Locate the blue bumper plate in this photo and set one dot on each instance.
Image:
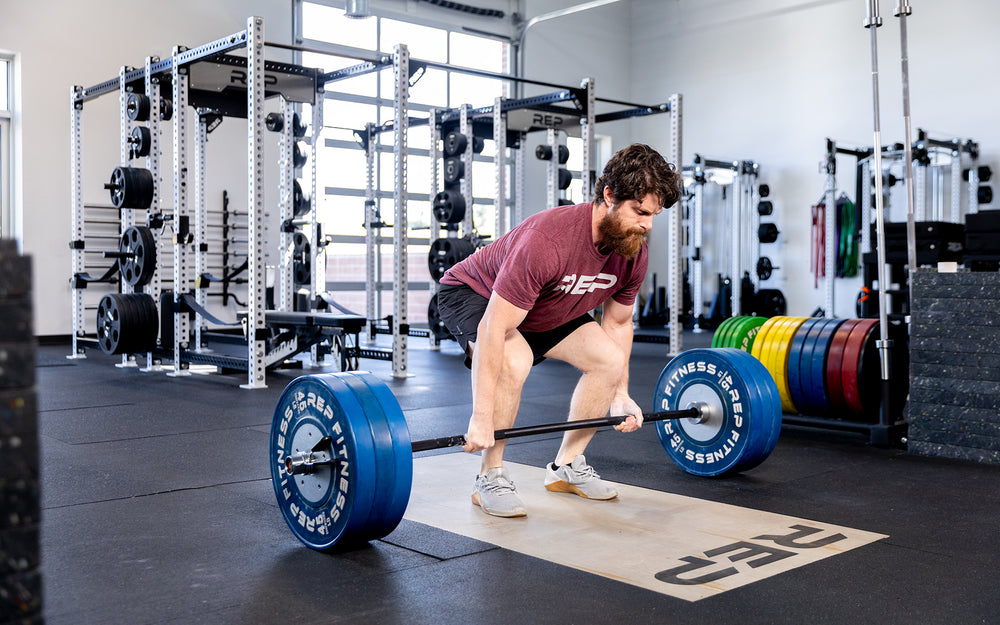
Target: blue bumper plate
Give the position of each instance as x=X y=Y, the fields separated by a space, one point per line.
x=740 y=417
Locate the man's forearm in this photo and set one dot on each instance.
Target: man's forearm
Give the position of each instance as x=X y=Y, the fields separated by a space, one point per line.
x=621 y=334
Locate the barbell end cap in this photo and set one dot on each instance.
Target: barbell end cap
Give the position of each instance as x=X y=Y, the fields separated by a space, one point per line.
x=705 y=411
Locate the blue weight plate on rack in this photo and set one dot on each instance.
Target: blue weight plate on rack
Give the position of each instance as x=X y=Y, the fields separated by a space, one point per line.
x=815 y=391
x=332 y=503
x=399 y=460
x=728 y=434
x=795 y=361
x=385 y=456
x=805 y=382
x=800 y=385
x=767 y=411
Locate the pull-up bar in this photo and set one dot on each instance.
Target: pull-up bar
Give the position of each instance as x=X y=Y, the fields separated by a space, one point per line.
x=380 y=61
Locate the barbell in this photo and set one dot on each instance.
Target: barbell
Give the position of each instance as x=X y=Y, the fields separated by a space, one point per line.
x=341 y=457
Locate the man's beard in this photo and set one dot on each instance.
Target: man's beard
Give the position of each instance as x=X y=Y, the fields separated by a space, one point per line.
x=615 y=238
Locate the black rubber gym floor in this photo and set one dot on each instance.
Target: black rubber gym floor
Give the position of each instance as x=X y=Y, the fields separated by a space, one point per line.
x=158 y=508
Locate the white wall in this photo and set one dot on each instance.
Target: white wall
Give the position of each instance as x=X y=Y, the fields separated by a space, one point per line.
x=566 y=50
x=766 y=80
x=63 y=43
x=770 y=80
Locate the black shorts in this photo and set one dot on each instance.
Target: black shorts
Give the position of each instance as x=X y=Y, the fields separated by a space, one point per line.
x=461 y=310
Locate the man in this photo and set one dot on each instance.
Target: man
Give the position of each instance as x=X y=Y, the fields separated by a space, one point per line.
x=528 y=296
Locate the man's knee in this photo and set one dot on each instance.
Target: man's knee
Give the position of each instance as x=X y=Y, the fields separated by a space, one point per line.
x=517 y=362
x=610 y=360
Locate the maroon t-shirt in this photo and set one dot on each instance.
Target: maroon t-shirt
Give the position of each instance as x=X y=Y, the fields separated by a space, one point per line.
x=549 y=266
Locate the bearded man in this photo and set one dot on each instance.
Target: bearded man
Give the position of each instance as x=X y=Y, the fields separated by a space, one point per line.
x=529 y=295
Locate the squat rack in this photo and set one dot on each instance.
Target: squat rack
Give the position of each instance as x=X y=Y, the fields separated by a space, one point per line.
x=496 y=117
x=178 y=66
x=214 y=83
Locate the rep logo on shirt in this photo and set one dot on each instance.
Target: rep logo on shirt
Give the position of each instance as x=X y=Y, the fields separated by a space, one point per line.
x=582 y=285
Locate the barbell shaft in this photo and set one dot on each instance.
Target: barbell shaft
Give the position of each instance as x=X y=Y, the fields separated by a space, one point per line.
x=550 y=428
x=305 y=462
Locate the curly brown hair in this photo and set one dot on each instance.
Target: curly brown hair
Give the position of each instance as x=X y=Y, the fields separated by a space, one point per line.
x=636 y=171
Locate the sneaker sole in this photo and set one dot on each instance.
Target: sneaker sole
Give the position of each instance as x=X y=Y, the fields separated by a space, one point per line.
x=566 y=487
x=476 y=499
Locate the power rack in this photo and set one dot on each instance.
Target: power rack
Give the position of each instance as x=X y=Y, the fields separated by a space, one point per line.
x=218 y=84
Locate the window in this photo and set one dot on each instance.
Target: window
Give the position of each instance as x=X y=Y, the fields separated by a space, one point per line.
x=6 y=165
x=352 y=103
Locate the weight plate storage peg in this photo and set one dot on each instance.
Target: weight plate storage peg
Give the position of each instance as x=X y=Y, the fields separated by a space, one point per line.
x=138 y=243
x=140 y=140
x=563 y=154
x=767 y=233
x=299 y=156
x=127 y=323
x=438 y=328
x=446 y=253
x=455 y=143
x=737 y=419
x=449 y=207
x=166 y=110
x=300 y=203
x=275 y=122
x=565 y=179
x=137 y=107
x=765 y=268
x=454 y=170
x=130 y=187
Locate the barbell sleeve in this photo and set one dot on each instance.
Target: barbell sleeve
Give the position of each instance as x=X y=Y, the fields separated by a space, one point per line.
x=550 y=428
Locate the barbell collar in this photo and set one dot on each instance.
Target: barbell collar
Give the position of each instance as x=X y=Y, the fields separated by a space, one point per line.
x=306 y=462
x=693 y=411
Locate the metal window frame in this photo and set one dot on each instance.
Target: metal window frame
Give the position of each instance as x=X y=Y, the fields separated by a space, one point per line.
x=6 y=218
x=7 y=169
x=375 y=150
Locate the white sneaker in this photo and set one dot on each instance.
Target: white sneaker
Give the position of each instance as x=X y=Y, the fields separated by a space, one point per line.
x=495 y=493
x=578 y=478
